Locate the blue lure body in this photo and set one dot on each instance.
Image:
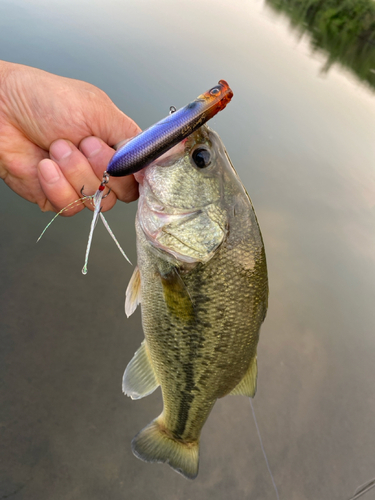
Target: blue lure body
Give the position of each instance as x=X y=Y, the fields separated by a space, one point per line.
x=148 y=145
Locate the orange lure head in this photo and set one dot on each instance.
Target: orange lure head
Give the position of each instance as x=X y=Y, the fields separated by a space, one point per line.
x=216 y=98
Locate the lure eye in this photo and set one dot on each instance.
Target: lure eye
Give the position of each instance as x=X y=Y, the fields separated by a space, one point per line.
x=215 y=91
x=201 y=157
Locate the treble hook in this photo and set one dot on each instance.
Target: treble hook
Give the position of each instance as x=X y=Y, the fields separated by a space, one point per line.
x=91 y=195
x=105 y=181
x=85 y=195
x=105 y=196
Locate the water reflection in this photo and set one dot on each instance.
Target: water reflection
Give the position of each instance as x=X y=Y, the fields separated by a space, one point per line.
x=346 y=30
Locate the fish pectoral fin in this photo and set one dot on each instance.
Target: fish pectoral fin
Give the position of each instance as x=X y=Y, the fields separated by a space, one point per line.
x=248 y=385
x=176 y=296
x=155 y=444
x=133 y=293
x=139 y=379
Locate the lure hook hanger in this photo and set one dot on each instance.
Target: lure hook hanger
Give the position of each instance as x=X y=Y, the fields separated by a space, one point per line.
x=105 y=181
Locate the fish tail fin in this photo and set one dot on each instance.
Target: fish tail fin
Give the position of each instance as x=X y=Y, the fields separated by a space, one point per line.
x=155 y=444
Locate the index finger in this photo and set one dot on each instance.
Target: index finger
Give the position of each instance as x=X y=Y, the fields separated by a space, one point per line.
x=98 y=154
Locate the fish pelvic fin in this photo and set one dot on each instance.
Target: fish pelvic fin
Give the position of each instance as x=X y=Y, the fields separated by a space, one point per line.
x=248 y=385
x=133 y=293
x=177 y=297
x=155 y=444
x=139 y=379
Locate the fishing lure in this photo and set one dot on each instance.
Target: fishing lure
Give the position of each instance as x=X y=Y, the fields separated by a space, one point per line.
x=148 y=145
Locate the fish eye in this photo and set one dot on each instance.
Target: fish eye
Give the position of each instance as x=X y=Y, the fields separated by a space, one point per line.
x=201 y=157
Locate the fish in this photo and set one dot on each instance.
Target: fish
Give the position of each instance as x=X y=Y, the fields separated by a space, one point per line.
x=201 y=281
x=148 y=145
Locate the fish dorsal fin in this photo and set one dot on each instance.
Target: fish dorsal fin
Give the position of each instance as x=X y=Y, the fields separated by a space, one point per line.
x=139 y=379
x=133 y=293
x=248 y=385
x=176 y=296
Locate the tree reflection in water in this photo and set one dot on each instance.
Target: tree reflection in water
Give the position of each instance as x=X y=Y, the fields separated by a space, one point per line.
x=343 y=28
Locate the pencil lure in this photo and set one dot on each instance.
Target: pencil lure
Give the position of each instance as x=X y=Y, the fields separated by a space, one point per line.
x=148 y=145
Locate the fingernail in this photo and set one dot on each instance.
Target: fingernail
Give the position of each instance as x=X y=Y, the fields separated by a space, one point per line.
x=49 y=171
x=60 y=150
x=121 y=143
x=90 y=146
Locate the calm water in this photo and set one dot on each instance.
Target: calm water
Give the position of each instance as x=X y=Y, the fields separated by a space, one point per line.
x=303 y=144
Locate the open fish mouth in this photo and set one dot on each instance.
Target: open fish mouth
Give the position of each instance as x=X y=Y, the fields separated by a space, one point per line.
x=190 y=236
x=161 y=229
x=184 y=237
x=159 y=208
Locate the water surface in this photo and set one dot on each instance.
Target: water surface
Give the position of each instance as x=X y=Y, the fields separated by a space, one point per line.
x=302 y=141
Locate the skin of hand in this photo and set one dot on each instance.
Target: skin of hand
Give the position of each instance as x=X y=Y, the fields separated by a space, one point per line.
x=55 y=138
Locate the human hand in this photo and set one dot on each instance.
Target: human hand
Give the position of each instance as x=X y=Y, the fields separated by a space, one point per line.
x=55 y=134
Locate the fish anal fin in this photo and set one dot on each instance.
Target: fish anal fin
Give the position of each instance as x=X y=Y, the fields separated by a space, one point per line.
x=177 y=297
x=155 y=444
x=248 y=385
x=133 y=293
x=139 y=379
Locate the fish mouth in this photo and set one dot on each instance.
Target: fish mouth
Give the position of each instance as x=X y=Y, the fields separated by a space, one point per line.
x=187 y=236
x=158 y=208
x=159 y=223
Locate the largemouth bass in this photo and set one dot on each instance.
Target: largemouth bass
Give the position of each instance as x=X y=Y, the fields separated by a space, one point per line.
x=202 y=283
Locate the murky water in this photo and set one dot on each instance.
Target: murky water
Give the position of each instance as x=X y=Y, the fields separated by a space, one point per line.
x=303 y=144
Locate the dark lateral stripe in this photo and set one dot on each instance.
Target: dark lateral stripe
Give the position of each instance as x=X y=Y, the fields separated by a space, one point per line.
x=187 y=398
